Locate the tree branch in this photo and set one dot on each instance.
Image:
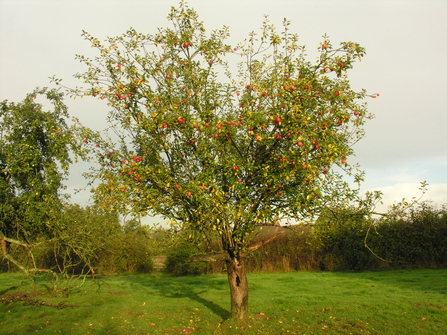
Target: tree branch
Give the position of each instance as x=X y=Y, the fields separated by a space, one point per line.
x=209 y=258
x=216 y=257
x=256 y=246
x=10 y=240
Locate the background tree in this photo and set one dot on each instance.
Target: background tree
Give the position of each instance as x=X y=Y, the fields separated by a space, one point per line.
x=223 y=153
x=35 y=147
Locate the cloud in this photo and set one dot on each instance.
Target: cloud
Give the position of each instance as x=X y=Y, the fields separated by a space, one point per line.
x=436 y=193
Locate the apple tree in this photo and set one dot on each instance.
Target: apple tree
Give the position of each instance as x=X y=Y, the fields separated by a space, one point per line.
x=223 y=138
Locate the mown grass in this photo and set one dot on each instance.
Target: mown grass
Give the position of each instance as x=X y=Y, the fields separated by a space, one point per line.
x=393 y=302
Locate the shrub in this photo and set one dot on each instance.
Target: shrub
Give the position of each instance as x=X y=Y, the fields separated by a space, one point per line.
x=177 y=261
x=418 y=240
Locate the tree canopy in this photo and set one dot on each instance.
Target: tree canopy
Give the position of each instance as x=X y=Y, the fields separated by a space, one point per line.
x=36 y=147
x=35 y=150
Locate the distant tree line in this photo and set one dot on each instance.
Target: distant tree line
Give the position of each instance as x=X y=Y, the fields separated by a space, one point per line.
x=346 y=242
x=336 y=242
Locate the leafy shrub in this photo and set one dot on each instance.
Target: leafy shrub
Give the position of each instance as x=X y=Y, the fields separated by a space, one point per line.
x=418 y=240
x=177 y=261
x=127 y=251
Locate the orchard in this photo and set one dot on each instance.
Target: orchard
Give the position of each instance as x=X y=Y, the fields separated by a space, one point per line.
x=222 y=139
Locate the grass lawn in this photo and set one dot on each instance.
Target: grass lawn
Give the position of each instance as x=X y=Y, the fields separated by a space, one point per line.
x=394 y=302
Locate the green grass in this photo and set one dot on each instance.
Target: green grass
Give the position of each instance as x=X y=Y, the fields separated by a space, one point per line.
x=394 y=302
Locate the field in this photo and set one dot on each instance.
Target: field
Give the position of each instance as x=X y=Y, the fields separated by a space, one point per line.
x=392 y=302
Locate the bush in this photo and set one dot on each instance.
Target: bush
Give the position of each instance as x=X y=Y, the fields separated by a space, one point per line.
x=128 y=250
x=177 y=261
x=89 y=238
x=418 y=240
x=125 y=253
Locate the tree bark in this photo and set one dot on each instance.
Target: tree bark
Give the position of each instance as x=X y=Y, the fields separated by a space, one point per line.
x=3 y=243
x=237 y=279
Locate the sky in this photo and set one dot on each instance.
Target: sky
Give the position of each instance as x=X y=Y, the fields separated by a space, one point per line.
x=405 y=41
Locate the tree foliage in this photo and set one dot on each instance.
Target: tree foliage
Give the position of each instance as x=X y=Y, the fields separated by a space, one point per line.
x=223 y=138
x=34 y=159
x=35 y=155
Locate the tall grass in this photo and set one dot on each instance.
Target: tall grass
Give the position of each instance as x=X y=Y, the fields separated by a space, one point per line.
x=393 y=302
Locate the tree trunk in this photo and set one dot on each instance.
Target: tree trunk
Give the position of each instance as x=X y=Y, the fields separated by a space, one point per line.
x=3 y=243
x=238 y=287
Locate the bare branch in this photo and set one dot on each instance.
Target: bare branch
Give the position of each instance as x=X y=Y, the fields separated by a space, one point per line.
x=256 y=246
x=209 y=258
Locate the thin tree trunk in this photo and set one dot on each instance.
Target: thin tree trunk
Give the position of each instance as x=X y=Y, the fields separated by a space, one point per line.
x=237 y=279
x=3 y=243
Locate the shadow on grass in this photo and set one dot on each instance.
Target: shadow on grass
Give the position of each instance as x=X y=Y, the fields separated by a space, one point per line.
x=186 y=287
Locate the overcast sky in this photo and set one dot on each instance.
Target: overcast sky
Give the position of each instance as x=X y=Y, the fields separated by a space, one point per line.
x=405 y=41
